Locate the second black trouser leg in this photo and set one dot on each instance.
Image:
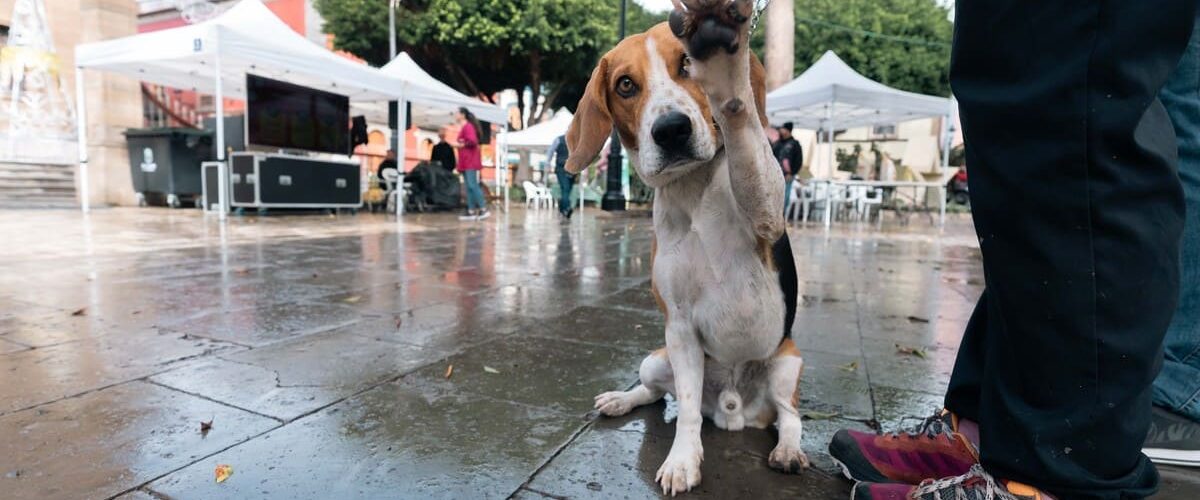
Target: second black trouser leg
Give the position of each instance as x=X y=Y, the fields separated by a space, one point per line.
x=1078 y=210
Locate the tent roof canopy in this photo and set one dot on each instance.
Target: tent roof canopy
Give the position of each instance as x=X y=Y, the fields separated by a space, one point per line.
x=433 y=102
x=249 y=38
x=421 y=88
x=856 y=100
x=542 y=134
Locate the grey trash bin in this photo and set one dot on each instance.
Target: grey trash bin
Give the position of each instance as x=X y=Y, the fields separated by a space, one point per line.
x=164 y=163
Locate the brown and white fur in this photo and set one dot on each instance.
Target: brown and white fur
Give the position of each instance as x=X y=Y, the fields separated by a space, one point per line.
x=721 y=245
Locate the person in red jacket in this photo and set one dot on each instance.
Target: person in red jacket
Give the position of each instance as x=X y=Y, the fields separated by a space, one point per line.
x=470 y=164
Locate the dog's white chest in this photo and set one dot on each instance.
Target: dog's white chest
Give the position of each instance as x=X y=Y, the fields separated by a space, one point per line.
x=709 y=274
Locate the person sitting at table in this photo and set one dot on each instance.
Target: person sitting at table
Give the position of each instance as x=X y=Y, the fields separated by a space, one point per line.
x=443 y=152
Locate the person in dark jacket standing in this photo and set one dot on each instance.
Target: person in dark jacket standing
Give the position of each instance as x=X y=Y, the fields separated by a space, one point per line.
x=557 y=156
x=443 y=152
x=791 y=159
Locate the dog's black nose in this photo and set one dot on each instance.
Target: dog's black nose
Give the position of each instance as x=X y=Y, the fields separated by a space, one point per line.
x=672 y=132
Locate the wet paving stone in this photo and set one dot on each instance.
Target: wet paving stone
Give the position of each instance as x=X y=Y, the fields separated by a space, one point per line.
x=395 y=441
x=112 y=440
x=43 y=375
x=613 y=463
x=324 y=344
x=291 y=379
x=44 y=327
x=548 y=373
x=256 y=326
x=605 y=326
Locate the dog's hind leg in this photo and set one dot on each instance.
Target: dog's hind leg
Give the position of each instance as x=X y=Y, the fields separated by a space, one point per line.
x=657 y=380
x=783 y=380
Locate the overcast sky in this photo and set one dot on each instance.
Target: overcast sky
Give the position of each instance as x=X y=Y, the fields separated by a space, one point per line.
x=655 y=5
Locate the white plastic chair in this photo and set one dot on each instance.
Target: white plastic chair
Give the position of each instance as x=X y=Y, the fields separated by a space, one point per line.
x=853 y=198
x=547 y=196
x=532 y=194
x=871 y=198
x=390 y=175
x=814 y=196
x=796 y=201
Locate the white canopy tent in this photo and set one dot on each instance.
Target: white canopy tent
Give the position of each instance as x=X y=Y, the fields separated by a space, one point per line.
x=540 y=136
x=433 y=102
x=830 y=95
x=214 y=56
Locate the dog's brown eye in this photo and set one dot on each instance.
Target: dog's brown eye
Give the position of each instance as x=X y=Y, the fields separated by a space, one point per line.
x=685 y=66
x=626 y=87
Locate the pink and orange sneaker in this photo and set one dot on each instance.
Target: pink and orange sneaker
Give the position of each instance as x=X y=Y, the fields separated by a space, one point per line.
x=976 y=484
x=934 y=449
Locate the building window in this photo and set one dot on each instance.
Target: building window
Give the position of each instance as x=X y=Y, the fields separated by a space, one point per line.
x=883 y=132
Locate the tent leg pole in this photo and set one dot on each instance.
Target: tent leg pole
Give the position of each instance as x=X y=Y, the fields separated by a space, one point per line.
x=223 y=170
x=401 y=140
x=81 y=133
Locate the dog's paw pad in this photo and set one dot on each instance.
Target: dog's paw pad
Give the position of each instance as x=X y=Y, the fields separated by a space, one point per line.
x=707 y=26
x=788 y=459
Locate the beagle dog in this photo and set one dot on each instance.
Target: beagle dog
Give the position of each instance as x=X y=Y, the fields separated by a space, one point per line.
x=687 y=99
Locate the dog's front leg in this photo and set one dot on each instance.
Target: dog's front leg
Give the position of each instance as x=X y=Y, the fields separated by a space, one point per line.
x=681 y=471
x=783 y=375
x=716 y=34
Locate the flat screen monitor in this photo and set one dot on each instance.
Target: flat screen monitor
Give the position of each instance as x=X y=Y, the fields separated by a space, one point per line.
x=289 y=116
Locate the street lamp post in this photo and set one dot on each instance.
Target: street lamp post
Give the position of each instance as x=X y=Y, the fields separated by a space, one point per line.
x=614 y=195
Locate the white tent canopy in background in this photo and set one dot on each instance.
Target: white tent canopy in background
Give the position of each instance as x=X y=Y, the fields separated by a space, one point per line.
x=433 y=102
x=540 y=136
x=247 y=38
x=831 y=90
x=422 y=89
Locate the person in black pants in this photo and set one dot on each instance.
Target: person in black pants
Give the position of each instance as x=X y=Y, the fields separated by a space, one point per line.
x=1078 y=209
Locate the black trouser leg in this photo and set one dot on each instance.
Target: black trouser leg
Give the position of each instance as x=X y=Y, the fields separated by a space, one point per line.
x=1079 y=210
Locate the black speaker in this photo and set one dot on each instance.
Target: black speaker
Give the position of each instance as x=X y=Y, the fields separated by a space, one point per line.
x=394 y=115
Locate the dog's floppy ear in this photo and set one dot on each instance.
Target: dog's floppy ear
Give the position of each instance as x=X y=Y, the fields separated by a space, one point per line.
x=758 y=81
x=592 y=123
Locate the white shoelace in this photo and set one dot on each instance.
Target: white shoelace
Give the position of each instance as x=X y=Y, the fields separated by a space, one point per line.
x=955 y=487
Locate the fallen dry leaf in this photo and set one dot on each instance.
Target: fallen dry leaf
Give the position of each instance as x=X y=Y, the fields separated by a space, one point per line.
x=449 y=371
x=850 y=367
x=352 y=299
x=489 y=369
x=223 y=472
x=82 y=311
x=911 y=351
x=241 y=270
x=205 y=427
x=816 y=415
x=399 y=322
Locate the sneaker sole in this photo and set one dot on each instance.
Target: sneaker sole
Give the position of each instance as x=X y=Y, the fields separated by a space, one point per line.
x=1186 y=458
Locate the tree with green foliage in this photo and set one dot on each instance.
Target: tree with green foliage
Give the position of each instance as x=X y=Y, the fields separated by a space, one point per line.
x=481 y=47
x=901 y=43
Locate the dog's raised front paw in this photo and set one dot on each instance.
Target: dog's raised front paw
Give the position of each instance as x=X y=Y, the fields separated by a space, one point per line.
x=681 y=471
x=614 y=404
x=788 y=459
x=707 y=26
